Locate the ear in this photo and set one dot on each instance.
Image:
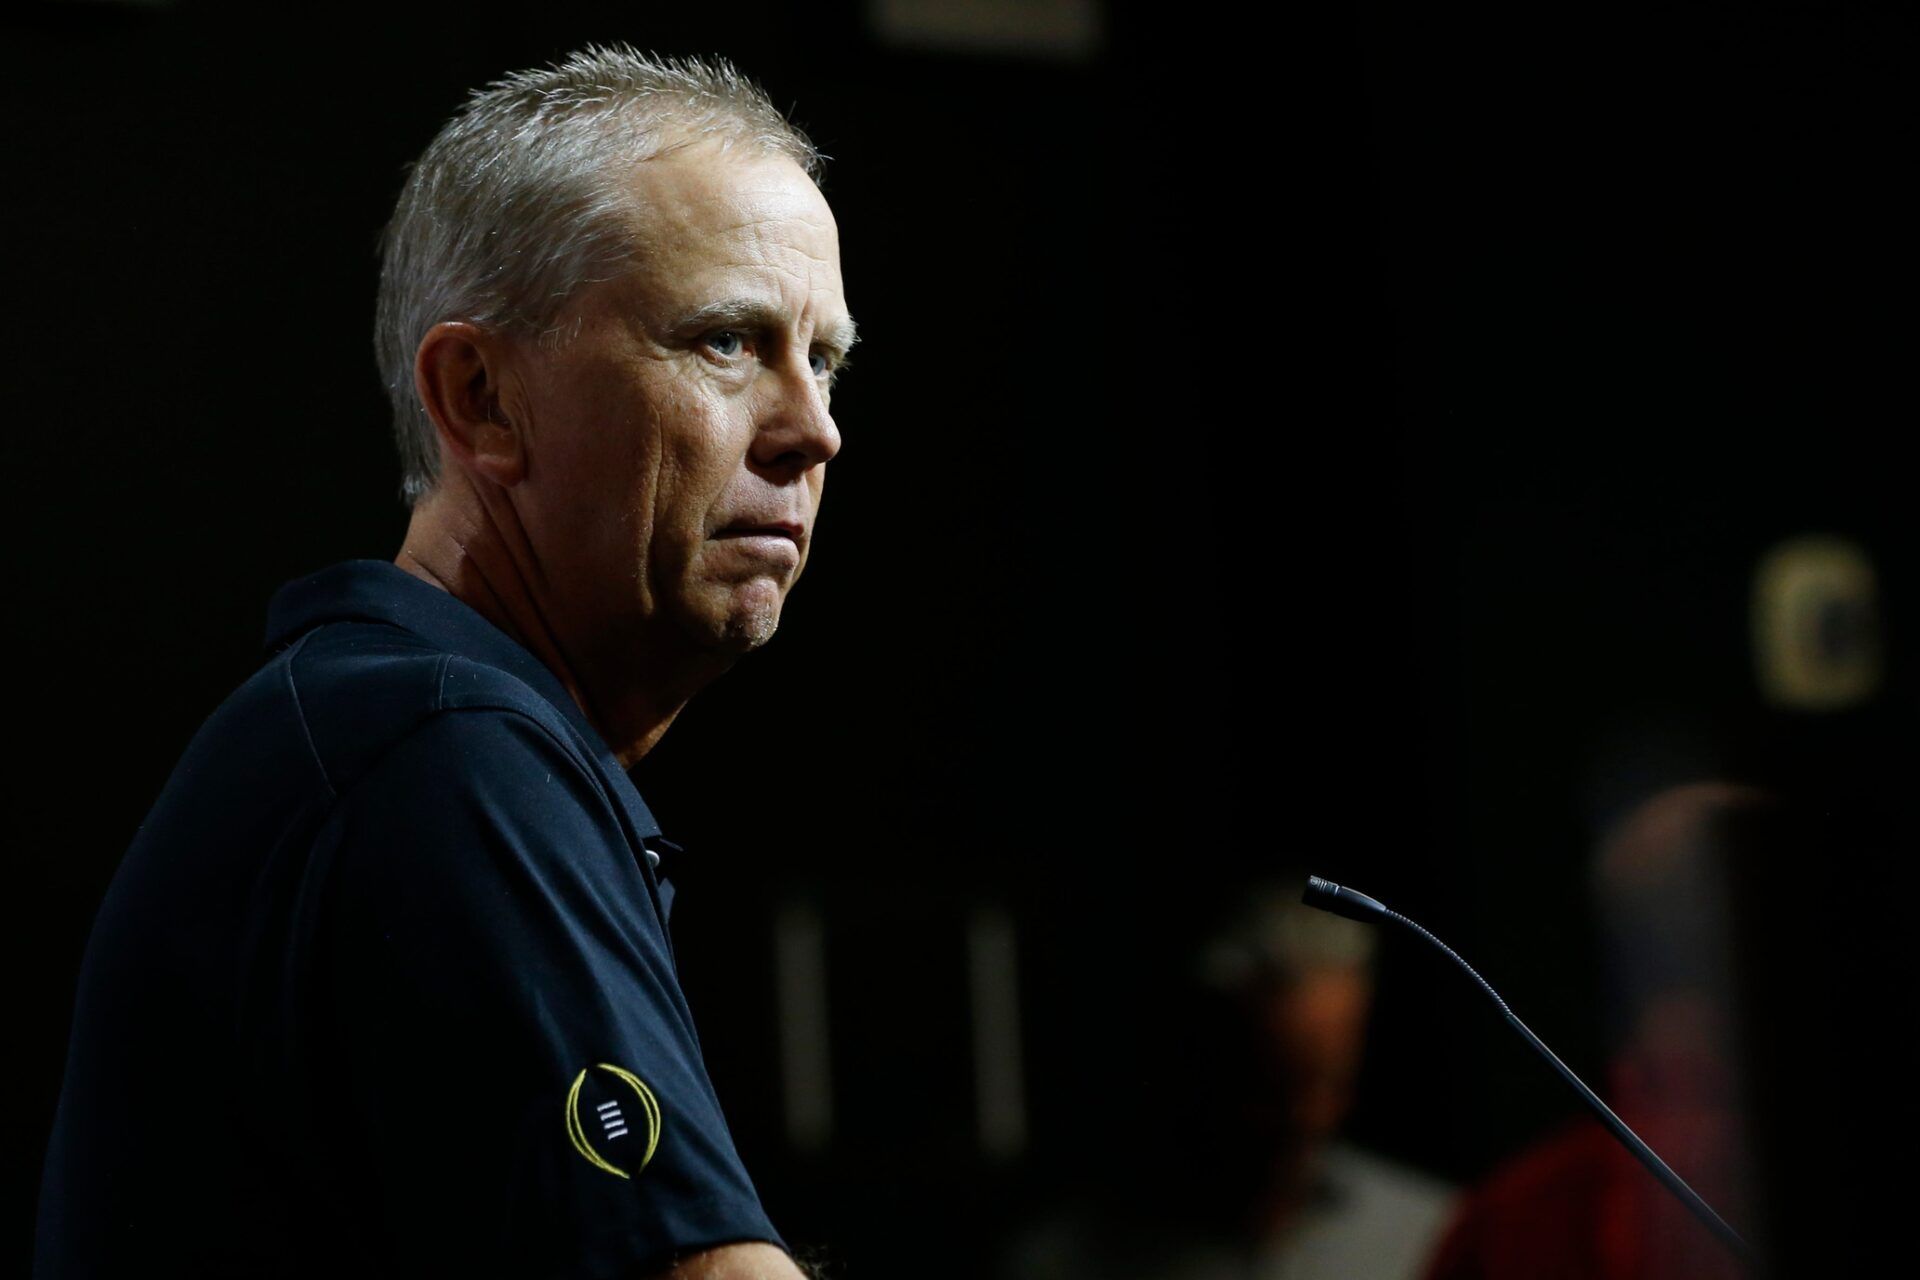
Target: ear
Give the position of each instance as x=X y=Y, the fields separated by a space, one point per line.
x=457 y=374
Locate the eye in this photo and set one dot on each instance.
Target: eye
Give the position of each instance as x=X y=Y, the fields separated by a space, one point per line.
x=725 y=342
x=821 y=365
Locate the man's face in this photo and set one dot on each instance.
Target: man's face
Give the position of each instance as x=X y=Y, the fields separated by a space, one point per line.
x=677 y=443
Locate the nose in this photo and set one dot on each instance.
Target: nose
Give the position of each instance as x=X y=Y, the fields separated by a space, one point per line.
x=795 y=432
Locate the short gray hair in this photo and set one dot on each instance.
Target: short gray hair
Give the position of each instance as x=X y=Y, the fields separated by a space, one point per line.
x=520 y=200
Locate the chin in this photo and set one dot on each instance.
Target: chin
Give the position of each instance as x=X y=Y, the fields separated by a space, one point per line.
x=744 y=635
x=738 y=619
x=750 y=620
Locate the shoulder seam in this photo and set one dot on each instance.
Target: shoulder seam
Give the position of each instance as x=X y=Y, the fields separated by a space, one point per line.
x=592 y=776
x=300 y=714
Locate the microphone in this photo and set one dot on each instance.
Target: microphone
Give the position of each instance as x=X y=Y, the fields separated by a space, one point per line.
x=1342 y=901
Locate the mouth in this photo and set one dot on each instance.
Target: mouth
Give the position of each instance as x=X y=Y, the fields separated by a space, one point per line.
x=763 y=546
x=790 y=530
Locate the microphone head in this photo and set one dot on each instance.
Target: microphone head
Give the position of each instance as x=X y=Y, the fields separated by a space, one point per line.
x=1328 y=896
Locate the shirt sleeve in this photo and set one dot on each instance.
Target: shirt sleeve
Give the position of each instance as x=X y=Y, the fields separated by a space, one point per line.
x=512 y=1066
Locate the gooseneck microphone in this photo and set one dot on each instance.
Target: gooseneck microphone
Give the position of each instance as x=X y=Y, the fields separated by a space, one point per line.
x=1328 y=896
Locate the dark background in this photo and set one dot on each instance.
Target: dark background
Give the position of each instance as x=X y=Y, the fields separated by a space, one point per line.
x=1341 y=446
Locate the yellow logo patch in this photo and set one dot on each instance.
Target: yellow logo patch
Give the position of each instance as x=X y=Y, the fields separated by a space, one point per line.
x=609 y=1120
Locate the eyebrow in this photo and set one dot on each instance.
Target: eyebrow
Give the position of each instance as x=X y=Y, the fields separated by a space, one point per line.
x=839 y=336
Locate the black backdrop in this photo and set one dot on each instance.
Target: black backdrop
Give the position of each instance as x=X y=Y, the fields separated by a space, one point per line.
x=1270 y=446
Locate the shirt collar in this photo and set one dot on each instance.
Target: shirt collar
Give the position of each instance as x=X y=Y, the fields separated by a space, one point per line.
x=380 y=591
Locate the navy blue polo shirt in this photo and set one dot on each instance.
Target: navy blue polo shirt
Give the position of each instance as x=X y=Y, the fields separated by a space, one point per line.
x=384 y=984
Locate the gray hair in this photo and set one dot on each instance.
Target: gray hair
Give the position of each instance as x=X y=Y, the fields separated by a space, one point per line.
x=521 y=200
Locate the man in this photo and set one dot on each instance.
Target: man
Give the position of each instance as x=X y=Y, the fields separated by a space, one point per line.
x=1259 y=1062
x=384 y=983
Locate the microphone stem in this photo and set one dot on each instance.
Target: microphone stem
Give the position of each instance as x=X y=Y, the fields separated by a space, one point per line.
x=1641 y=1151
x=1618 y=1127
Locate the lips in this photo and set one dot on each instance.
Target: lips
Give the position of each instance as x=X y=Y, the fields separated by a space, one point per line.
x=789 y=529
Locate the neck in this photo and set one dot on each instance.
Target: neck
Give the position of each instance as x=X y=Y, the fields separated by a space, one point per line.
x=478 y=552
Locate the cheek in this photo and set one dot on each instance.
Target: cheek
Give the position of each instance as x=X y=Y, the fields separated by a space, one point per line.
x=615 y=481
x=585 y=430
x=603 y=486
x=699 y=460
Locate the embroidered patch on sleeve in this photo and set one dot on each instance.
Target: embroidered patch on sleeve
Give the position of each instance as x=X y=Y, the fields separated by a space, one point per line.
x=613 y=1113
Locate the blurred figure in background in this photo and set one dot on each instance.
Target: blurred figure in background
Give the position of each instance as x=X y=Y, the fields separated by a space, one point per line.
x=1577 y=1205
x=1244 y=1175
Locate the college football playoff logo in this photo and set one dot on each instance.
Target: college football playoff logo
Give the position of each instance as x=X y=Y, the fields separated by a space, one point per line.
x=613 y=1117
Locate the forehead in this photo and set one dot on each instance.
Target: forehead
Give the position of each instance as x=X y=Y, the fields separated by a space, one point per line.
x=707 y=219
